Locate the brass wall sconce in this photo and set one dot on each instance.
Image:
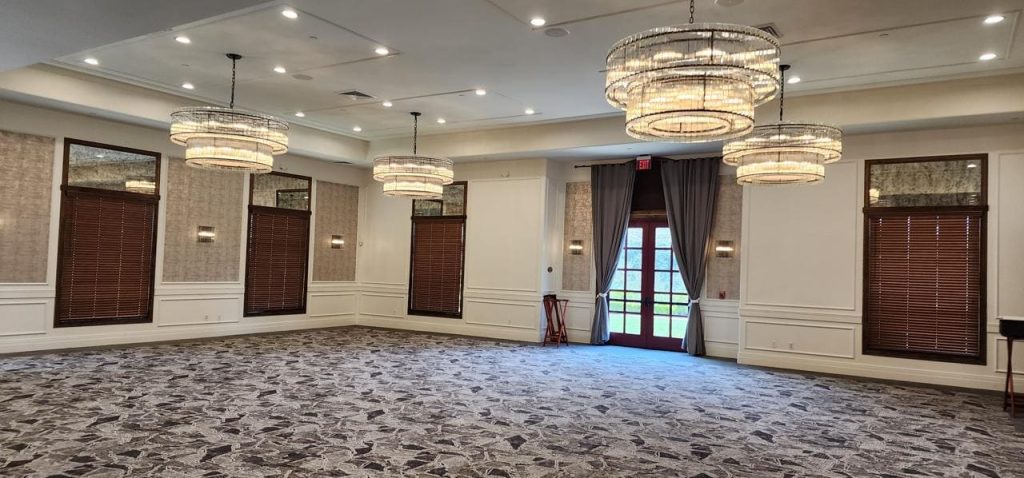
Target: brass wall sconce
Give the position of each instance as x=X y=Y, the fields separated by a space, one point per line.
x=205 y=234
x=576 y=247
x=724 y=248
x=337 y=241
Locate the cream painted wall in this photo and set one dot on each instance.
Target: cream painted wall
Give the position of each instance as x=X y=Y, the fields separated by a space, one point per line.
x=504 y=263
x=181 y=309
x=801 y=264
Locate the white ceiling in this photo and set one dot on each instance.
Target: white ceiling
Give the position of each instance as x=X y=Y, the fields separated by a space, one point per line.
x=38 y=30
x=444 y=49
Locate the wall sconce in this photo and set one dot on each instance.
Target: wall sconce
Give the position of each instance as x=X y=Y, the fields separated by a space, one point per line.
x=576 y=247
x=724 y=248
x=205 y=234
x=337 y=241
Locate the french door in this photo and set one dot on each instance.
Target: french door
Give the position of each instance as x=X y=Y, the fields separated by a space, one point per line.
x=648 y=302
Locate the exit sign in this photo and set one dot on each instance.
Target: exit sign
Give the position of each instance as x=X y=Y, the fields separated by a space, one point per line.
x=643 y=163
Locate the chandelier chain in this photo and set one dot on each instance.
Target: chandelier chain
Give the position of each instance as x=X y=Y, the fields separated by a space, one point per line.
x=782 y=94
x=691 y=11
x=234 y=72
x=415 y=131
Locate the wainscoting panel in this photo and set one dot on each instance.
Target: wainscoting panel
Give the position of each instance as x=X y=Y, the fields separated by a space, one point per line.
x=499 y=313
x=825 y=340
x=375 y=304
x=721 y=327
x=24 y=317
x=1018 y=358
x=332 y=304
x=184 y=310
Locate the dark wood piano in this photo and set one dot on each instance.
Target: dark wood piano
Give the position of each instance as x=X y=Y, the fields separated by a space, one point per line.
x=1012 y=329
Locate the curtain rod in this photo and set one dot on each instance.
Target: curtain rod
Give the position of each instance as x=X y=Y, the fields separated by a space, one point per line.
x=653 y=158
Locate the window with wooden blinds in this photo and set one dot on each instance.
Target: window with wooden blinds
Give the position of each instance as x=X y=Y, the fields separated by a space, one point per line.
x=107 y=240
x=435 y=282
x=924 y=277
x=278 y=246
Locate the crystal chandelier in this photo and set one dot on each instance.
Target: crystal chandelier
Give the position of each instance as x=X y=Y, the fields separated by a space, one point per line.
x=226 y=138
x=416 y=176
x=692 y=83
x=784 y=153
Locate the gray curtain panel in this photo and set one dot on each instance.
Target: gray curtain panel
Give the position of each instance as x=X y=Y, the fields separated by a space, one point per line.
x=691 y=189
x=611 y=196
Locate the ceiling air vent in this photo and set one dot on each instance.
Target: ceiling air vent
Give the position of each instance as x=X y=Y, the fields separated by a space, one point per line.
x=771 y=28
x=356 y=95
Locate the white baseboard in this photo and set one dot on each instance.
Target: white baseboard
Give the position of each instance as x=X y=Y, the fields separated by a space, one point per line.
x=454 y=326
x=885 y=372
x=721 y=349
x=184 y=332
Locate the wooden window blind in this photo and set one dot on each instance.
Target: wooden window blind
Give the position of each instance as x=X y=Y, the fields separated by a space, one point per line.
x=107 y=239
x=436 y=272
x=276 y=261
x=924 y=284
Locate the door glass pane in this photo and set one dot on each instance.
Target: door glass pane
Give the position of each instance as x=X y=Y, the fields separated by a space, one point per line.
x=663 y=260
x=634 y=258
x=662 y=237
x=633 y=281
x=615 y=323
x=679 y=327
x=633 y=324
x=661 y=326
x=662 y=282
x=627 y=284
x=619 y=280
x=635 y=237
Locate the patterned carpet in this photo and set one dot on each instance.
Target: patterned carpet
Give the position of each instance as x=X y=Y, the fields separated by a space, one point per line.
x=364 y=402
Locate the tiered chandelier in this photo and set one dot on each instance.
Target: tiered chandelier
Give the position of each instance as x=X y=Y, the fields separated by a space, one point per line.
x=784 y=153
x=692 y=83
x=226 y=138
x=415 y=176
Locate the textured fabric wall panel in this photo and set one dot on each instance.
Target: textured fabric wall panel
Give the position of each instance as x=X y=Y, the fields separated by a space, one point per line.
x=337 y=213
x=202 y=198
x=724 y=272
x=576 y=268
x=26 y=162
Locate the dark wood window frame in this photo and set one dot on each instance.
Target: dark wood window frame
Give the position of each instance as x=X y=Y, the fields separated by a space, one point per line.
x=412 y=256
x=254 y=209
x=64 y=236
x=979 y=211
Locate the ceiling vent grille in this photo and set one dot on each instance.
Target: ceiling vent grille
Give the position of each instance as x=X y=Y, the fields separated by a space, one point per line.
x=356 y=95
x=772 y=29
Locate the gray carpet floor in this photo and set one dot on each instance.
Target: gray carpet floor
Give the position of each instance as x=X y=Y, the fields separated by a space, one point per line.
x=365 y=402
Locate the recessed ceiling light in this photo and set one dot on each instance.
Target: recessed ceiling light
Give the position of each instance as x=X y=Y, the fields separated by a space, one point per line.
x=356 y=129
x=300 y=114
x=387 y=104
x=188 y=86
x=183 y=39
x=537 y=21
x=280 y=69
x=529 y=111
x=993 y=19
x=92 y=61
x=481 y=92
x=987 y=56
x=382 y=51
x=441 y=121
x=794 y=80
x=289 y=13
